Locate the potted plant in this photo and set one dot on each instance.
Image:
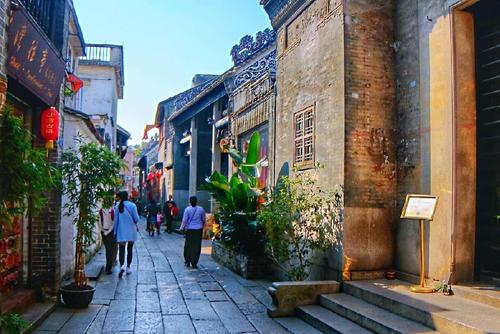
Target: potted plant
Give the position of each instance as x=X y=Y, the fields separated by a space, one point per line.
x=90 y=174
x=238 y=200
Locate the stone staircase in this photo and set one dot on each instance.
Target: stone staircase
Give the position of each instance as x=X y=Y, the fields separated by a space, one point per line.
x=383 y=306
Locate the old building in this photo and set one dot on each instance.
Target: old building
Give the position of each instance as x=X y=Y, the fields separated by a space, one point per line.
x=447 y=112
x=40 y=36
x=227 y=109
x=252 y=97
x=103 y=76
x=335 y=106
x=176 y=143
x=395 y=97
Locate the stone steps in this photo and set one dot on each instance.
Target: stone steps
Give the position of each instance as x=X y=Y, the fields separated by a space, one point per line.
x=446 y=314
x=328 y=322
x=296 y=326
x=36 y=314
x=370 y=316
x=481 y=293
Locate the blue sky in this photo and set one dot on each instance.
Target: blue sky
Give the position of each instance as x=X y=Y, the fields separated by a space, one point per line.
x=165 y=43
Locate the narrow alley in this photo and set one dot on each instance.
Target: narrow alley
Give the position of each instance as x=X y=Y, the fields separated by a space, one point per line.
x=161 y=295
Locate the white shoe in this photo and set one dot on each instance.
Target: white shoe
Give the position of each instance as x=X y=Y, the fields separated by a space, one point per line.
x=129 y=271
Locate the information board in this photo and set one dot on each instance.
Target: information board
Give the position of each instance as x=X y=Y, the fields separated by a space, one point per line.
x=419 y=207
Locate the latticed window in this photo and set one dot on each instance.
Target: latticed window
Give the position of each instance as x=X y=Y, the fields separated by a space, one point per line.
x=304 y=137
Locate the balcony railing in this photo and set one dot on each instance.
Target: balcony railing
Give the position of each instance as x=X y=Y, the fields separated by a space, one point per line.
x=43 y=11
x=103 y=53
x=97 y=53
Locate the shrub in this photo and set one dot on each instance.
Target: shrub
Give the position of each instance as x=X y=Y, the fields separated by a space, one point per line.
x=299 y=218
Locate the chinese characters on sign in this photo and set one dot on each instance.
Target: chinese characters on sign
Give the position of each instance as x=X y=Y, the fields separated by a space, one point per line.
x=49 y=126
x=32 y=60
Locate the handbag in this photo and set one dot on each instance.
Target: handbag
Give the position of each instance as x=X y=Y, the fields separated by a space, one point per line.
x=183 y=226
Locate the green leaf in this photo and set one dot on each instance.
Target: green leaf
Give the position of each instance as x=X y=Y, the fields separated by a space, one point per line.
x=253 y=149
x=218 y=181
x=236 y=156
x=240 y=196
x=235 y=180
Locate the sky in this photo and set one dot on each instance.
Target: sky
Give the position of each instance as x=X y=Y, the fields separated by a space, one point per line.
x=167 y=42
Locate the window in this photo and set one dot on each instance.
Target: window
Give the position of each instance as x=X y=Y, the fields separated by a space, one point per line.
x=304 y=137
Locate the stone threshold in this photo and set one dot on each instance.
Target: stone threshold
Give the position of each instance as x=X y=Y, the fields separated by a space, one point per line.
x=37 y=313
x=448 y=314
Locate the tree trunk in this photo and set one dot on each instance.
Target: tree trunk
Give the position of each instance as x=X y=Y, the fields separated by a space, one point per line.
x=79 y=275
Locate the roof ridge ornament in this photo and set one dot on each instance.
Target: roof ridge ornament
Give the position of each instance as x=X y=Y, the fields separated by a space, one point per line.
x=248 y=47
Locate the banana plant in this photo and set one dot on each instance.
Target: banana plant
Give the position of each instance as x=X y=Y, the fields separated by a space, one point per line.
x=239 y=198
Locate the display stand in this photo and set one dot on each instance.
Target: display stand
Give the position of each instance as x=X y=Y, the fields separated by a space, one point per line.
x=420 y=207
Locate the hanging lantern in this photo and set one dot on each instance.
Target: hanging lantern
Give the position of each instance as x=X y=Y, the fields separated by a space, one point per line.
x=49 y=126
x=73 y=85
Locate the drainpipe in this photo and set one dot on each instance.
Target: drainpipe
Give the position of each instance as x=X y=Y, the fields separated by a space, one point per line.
x=453 y=151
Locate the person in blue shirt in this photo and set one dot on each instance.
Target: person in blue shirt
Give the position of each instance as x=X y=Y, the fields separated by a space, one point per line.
x=126 y=218
x=192 y=224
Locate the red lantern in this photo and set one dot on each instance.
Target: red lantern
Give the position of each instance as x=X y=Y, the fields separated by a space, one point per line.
x=49 y=126
x=150 y=176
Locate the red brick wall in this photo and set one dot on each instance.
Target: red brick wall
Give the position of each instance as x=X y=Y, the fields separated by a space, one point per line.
x=370 y=102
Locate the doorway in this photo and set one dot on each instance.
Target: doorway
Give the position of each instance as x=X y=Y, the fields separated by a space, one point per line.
x=487 y=48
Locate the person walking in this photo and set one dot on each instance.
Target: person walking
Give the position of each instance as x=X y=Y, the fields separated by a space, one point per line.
x=152 y=210
x=126 y=219
x=170 y=210
x=107 y=217
x=192 y=224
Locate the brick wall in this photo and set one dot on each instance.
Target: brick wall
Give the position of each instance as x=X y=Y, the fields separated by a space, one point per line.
x=369 y=65
x=310 y=72
x=409 y=134
x=45 y=228
x=370 y=176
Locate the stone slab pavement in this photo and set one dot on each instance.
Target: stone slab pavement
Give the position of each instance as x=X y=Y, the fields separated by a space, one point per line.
x=161 y=295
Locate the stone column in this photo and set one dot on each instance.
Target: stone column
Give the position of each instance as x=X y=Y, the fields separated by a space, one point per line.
x=193 y=157
x=217 y=113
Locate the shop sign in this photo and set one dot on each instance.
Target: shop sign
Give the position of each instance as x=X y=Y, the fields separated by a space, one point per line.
x=32 y=60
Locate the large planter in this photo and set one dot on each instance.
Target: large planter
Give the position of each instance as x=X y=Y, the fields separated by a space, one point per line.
x=247 y=266
x=73 y=297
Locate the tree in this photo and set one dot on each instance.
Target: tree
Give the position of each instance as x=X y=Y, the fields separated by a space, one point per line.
x=90 y=175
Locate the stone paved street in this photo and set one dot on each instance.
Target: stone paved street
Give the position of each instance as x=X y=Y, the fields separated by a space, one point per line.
x=162 y=296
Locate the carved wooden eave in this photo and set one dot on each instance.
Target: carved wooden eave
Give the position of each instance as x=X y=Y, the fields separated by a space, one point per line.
x=254 y=102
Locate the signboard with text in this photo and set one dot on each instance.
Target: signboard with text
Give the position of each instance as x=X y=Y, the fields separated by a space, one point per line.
x=419 y=207
x=32 y=60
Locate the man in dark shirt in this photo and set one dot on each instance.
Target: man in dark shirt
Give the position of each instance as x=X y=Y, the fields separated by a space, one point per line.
x=170 y=211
